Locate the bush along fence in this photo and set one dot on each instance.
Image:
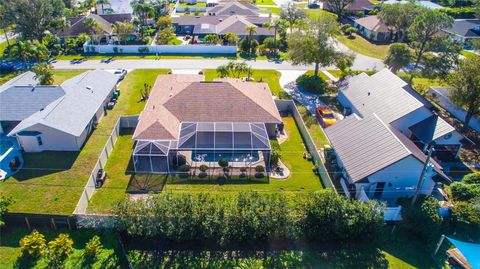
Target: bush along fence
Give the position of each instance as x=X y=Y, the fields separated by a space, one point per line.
x=159 y=49
x=124 y=122
x=288 y=106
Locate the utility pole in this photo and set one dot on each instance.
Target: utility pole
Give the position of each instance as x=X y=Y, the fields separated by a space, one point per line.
x=422 y=175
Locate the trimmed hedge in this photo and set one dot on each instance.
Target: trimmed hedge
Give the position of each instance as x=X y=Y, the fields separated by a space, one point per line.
x=311 y=83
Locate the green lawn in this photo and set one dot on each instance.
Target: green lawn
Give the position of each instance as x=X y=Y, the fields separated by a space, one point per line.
x=316 y=12
x=315 y=130
x=422 y=84
x=363 y=46
x=119 y=168
x=62 y=75
x=469 y=54
x=197 y=5
x=11 y=255
x=271 y=10
x=51 y=182
x=265 y=2
x=271 y=77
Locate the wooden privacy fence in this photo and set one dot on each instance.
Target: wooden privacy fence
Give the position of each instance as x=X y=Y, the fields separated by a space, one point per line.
x=290 y=107
x=124 y=122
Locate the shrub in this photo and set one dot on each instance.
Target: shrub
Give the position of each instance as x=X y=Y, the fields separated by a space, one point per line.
x=243 y=169
x=58 y=250
x=143 y=50
x=259 y=169
x=184 y=168
x=311 y=83
x=93 y=247
x=203 y=168
x=275 y=155
x=422 y=219
x=284 y=95
x=466 y=216
x=34 y=244
x=464 y=192
x=472 y=178
x=247 y=46
x=223 y=163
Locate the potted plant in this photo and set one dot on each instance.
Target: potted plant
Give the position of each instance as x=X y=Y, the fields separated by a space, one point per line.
x=203 y=169
x=259 y=169
x=183 y=170
x=242 y=171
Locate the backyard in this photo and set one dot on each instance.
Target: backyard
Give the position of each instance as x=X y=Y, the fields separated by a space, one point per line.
x=51 y=182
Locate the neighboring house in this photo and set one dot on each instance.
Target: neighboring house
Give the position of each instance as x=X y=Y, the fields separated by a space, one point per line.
x=464 y=30
x=201 y=26
x=389 y=97
x=376 y=161
x=441 y=95
x=234 y=8
x=201 y=122
x=357 y=7
x=105 y=24
x=55 y=118
x=115 y=7
x=372 y=29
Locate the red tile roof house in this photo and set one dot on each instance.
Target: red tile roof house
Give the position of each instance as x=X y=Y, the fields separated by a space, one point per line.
x=187 y=120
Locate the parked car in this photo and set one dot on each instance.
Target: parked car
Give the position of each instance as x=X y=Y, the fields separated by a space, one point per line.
x=325 y=116
x=120 y=73
x=314 y=5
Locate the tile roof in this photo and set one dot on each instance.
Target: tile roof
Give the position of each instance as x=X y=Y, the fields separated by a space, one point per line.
x=185 y=98
x=366 y=146
x=72 y=112
x=465 y=28
x=372 y=23
x=383 y=93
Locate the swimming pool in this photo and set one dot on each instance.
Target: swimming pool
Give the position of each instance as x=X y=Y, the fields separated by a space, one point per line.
x=237 y=156
x=5 y=145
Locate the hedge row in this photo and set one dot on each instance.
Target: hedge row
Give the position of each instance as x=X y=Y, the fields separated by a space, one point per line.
x=250 y=217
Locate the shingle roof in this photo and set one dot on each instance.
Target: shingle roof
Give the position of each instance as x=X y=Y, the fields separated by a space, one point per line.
x=77 y=26
x=185 y=98
x=223 y=24
x=431 y=128
x=366 y=146
x=72 y=112
x=24 y=79
x=360 y=5
x=372 y=23
x=235 y=8
x=113 y=18
x=465 y=28
x=383 y=93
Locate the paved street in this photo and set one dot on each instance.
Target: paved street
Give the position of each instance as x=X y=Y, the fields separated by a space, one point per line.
x=361 y=63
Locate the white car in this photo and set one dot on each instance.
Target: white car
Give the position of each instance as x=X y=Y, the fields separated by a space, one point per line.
x=120 y=73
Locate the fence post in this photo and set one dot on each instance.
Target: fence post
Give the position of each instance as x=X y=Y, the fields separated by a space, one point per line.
x=28 y=224
x=53 y=224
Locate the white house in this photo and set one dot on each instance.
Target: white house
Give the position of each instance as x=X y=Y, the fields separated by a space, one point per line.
x=55 y=118
x=376 y=161
x=396 y=104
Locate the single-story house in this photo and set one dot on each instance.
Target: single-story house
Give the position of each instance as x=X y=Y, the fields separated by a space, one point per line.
x=234 y=8
x=115 y=7
x=200 y=122
x=104 y=22
x=464 y=30
x=55 y=118
x=357 y=6
x=372 y=28
x=390 y=98
x=201 y=26
x=376 y=161
x=441 y=95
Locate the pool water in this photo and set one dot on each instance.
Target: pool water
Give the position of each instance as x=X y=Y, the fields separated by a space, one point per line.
x=4 y=145
x=210 y=156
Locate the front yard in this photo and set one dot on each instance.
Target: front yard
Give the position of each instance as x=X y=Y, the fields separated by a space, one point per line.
x=51 y=182
x=363 y=46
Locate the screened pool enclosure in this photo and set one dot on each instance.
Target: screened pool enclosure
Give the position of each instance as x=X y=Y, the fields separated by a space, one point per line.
x=242 y=144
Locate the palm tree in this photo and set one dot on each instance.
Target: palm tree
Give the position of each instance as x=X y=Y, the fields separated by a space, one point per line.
x=123 y=29
x=273 y=25
x=93 y=26
x=43 y=72
x=252 y=29
x=143 y=10
x=22 y=50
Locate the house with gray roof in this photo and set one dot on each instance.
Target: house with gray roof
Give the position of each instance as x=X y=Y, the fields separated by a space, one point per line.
x=464 y=30
x=376 y=161
x=373 y=29
x=56 y=118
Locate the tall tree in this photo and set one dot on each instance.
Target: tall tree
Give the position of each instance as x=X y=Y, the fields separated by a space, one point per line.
x=273 y=25
x=32 y=18
x=22 y=50
x=3 y=23
x=92 y=25
x=43 y=73
x=143 y=9
x=465 y=81
x=424 y=31
x=312 y=43
x=338 y=6
x=230 y=38
x=252 y=30
x=399 y=56
x=102 y=3
x=123 y=30
x=292 y=14
x=398 y=17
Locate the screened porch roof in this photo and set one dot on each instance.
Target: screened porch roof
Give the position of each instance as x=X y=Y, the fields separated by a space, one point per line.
x=210 y=136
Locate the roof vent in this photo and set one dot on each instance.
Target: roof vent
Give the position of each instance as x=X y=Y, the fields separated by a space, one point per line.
x=220 y=19
x=41 y=109
x=171 y=94
x=89 y=88
x=368 y=93
x=153 y=107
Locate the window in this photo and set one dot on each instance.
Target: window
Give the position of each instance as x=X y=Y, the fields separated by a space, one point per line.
x=39 y=140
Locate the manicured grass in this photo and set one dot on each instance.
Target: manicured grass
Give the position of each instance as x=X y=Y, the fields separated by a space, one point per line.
x=469 y=54
x=4 y=77
x=363 y=46
x=315 y=130
x=271 y=77
x=320 y=74
x=62 y=75
x=51 y=182
x=174 y=41
x=420 y=84
x=147 y=57
x=271 y=10
x=119 y=169
x=196 y=5
x=265 y=2
x=314 y=13
x=11 y=255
